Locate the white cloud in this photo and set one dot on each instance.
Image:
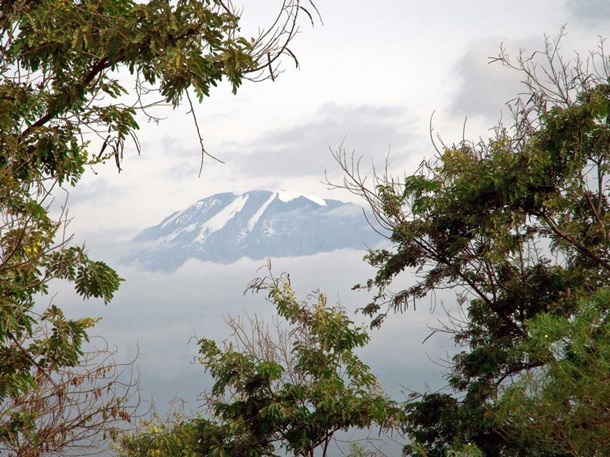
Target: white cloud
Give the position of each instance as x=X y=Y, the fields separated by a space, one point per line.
x=160 y=314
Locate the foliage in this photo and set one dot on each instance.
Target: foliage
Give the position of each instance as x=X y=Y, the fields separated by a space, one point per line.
x=177 y=436
x=358 y=450
x=293 y=392
x=518 y=225
x=64 y=106
x=565 y=405
x=35 y=343
x=74 y=410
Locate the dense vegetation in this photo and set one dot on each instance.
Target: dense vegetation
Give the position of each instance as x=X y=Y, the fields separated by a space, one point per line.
x=291 y=391
x=518 y=225
x=63 y=108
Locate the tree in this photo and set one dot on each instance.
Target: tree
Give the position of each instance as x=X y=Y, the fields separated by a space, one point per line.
x=72 y=411
x=518 y=226
x=176 y=436
x=565 y=405
x=291 y=392
x=63 y=108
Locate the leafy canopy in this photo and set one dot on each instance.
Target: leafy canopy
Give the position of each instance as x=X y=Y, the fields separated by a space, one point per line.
x=565 y=404
x=518 y=226
x=65 y=106
x=290 y=393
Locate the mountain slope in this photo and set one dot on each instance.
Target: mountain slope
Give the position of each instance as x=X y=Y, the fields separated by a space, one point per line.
x=256 y=224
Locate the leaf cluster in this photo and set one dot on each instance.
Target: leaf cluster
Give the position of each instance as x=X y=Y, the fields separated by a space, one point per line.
x=518 y=225
x=564 y=405
x=64 y=106
x=295 y=399
x=335 y=389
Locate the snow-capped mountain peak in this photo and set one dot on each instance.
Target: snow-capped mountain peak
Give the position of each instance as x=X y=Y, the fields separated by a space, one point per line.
x=256 y=224
x=287 y=196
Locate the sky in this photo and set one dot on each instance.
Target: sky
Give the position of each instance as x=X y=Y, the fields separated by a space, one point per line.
x=371 y=76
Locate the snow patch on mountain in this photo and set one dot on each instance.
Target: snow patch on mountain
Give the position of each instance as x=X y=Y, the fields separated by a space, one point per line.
x=287 y=196
x=258 y=224
x=252 y=222
x=220 y=220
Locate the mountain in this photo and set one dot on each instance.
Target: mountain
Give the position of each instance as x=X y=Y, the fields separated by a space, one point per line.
x=258 y=224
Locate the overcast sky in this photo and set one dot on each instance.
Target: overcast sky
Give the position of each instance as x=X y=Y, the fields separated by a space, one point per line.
x=373 y=73
x=371 y=76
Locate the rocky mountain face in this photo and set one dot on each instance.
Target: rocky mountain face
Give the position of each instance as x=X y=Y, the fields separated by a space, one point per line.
x=257 y=224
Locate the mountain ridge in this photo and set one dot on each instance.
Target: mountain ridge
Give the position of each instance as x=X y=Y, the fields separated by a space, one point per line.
x=256 y=224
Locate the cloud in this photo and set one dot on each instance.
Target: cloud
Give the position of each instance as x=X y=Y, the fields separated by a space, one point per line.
x=303 y=149
x=85 y=191
x=588 y=12
x=159 y=315
x=293 y=156
x=483 y=88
